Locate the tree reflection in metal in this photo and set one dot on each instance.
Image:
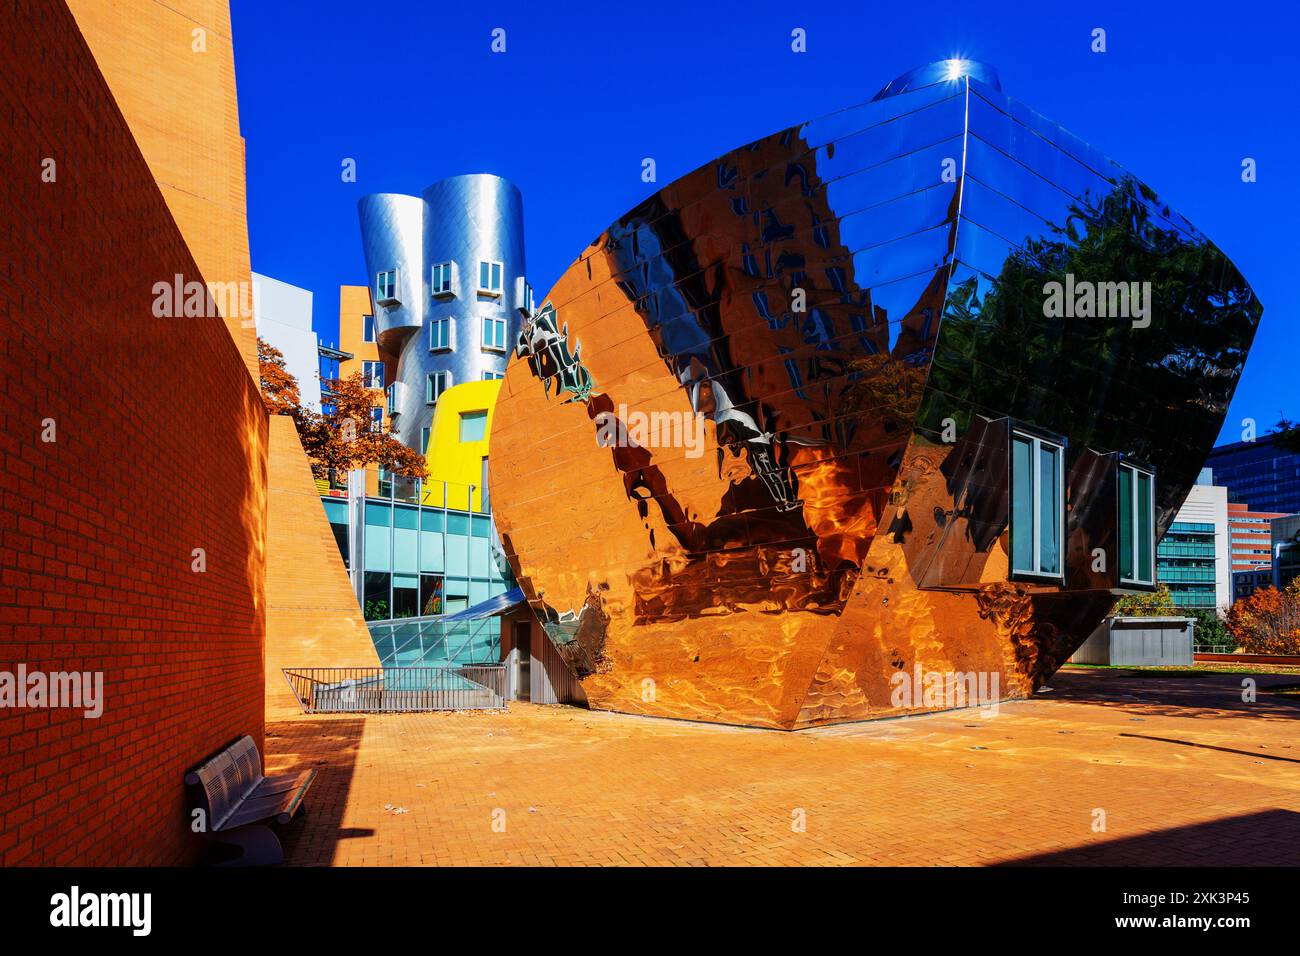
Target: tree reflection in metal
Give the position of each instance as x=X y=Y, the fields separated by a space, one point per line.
x=856 y=307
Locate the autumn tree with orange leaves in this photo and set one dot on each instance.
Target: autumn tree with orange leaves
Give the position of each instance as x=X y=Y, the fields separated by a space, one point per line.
x=344 y=436
x=279 y=387
x=1268 y=621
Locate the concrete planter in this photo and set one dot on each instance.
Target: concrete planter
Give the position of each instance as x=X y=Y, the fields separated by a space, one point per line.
x=1139 y=641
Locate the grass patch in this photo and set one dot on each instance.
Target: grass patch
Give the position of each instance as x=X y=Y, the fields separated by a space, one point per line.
x=1196 y=670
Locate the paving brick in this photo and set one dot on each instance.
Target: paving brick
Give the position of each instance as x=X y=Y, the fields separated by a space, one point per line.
x=617 y=790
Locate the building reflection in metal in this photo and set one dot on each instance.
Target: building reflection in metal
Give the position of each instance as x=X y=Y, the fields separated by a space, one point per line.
x=835 y=302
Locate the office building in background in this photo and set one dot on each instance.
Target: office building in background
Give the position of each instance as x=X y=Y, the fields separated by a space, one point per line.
x=1249 y=534
x=1259 y=474
x=1193 y=557
x=1285 y=539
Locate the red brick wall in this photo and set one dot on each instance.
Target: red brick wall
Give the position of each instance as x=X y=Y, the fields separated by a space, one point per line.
x=161 y=449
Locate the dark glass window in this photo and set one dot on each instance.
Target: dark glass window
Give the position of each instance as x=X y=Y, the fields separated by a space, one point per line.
x=376 y=595
x=1037 y=510
x=1136 y=525
x=337 y=514
x=406 y=601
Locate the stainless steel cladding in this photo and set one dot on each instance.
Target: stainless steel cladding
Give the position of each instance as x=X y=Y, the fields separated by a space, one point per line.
x=449 y=283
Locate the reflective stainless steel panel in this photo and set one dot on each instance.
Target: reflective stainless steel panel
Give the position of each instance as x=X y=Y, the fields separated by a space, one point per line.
x=853 y=310
x=463 y=220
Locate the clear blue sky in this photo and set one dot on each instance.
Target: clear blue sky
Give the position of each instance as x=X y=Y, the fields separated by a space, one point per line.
x=411 y=90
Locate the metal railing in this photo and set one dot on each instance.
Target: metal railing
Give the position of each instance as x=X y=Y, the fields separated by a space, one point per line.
x=390 y=690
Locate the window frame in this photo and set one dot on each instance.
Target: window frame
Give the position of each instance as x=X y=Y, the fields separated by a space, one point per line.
x=450 y=323
x=1136 y=467
x=451 y=275
x=368 y=330
x=524 y=302
x=429 y=379
x=475 y=413
x=1037 y=438
x=392 y=298
x=367 y=366
x=483 y=328
x=501 y=277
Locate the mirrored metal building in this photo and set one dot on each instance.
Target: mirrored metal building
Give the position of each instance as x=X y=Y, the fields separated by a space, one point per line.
x=448 y=286
x=904 y=394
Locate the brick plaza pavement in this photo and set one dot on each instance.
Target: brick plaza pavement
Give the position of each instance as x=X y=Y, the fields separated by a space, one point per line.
x=1183 y=770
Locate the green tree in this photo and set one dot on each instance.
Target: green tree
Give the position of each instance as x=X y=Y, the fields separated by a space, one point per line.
x=1286 y=435
x=1095 y=372
x=1211 y=631
x=1157 y=603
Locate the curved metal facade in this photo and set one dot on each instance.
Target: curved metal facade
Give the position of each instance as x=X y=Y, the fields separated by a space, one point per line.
x=462 y=220
x=853 y=311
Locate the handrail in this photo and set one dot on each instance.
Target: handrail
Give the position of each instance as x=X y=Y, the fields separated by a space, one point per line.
x=398 y=689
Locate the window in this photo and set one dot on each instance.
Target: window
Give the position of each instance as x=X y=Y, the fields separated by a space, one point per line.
x=386 y=287
x=493 y=376
x=487 y=505
x=376 y=586
x=494 y=333
x=473 y=426
x=489 y=278
x=442 y=279
x=430 y=594
x=1037 y=505
x=424 y=440
x=376 y=419
x=392 y=399
x=440 y=335
x=435 y=383
x=367 y=328
x=523 y=296
x=1137 y=509
x=372 y=374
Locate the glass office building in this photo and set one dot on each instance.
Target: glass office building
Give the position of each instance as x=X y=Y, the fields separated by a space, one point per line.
x=1259 y=474
x=414 y=560
x=1185 y=561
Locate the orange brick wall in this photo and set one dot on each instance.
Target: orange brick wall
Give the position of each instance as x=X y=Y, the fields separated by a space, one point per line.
x=160 y=449
x=312 y=617
x=183 y=111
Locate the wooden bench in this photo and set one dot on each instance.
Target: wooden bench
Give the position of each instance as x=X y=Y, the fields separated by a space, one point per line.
x=240 y=804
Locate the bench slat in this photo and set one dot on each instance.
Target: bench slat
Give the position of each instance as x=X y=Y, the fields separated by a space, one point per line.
x=279 y=805
x=238 y=795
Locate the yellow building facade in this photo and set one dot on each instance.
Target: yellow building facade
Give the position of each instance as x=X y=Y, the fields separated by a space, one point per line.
x=457 y=448
x=457 y=453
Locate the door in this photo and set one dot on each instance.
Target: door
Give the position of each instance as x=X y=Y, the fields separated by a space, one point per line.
x=523 y=659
